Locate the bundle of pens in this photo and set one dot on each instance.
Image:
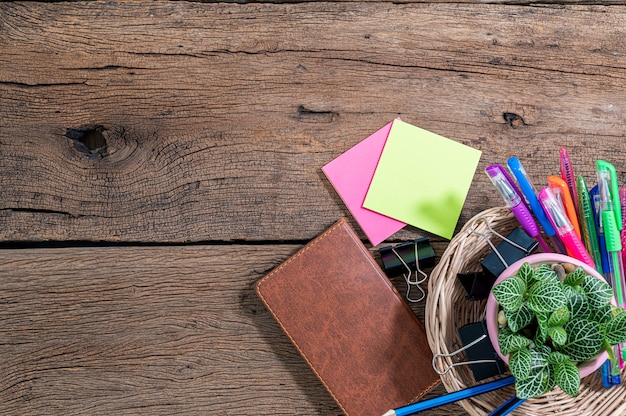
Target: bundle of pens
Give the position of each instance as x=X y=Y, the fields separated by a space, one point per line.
x=566 y=217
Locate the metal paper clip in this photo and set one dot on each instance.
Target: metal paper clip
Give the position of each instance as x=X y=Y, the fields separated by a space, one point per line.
x=481 y=357
x=516 y=245
x=417 y=281
x=493 y=247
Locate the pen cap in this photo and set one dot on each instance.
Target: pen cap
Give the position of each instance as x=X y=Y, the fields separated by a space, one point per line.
x=608 y=176
x=503 y=186
x=555 y=211
x=530 y=194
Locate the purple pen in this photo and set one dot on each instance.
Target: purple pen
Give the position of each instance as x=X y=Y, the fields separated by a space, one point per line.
x=513 y=200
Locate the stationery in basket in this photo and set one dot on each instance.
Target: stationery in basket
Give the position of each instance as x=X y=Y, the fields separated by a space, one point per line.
x=350 y=324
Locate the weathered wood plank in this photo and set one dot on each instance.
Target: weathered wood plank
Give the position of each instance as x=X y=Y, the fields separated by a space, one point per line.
x=218 y=117
x=146 y=330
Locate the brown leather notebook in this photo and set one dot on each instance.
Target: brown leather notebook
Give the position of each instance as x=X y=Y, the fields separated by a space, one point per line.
x=350 y=324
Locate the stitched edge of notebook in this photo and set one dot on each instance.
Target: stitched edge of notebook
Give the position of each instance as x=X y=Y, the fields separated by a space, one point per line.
x=293 y=341
x=426 y=390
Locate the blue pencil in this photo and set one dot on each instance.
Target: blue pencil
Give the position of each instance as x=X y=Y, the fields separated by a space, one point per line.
x=451 y=397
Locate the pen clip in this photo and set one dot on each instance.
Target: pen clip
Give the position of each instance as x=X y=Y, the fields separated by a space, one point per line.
x=608 y=176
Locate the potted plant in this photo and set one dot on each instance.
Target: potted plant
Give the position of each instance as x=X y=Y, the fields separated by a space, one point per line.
x=555 y=326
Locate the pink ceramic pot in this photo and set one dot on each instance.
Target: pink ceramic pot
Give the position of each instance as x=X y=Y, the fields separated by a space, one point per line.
x=491 y=310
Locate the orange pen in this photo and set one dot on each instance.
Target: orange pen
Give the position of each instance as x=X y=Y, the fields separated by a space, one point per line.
x=559 y=186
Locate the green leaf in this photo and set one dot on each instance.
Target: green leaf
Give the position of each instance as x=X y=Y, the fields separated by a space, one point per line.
x=598 y=292
x=579 y=307
x=616 y=329
x=559 y=317
x=534 y=385
x=606 y=346
x=567 y=377
x=509 y=293
x=539 y=356
x=526 y=273
x=575 y=278
x=603 y=314
x=545 y=273
x=520 y=363
x=546 y=296
x=584 y=339
x=520 y=318
x=541 y=335
x=512 y=342
x=558 y=335
x=556 y=357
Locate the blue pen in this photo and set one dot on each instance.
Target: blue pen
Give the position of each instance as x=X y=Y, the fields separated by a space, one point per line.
x=451 y=397
x=529 y=192
x=508 y=406
x=604 y=255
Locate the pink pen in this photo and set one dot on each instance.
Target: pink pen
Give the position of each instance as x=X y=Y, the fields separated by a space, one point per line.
x=558 y=218
x=513 y=200
x=567 y=173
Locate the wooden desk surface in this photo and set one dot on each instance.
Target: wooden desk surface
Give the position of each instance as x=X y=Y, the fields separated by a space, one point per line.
x=158 y=158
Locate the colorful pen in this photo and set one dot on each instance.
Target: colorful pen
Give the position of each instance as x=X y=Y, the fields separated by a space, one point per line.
x=588 y=222
x=556 y=213
x=562 y=192
x=513 y=200
x=567 y=173
x=530 y=195
x=611 y=225
x=451 y=397
x=622 y=200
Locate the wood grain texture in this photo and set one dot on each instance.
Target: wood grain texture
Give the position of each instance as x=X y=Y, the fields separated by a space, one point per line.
x=147 y=330
x=218 y=117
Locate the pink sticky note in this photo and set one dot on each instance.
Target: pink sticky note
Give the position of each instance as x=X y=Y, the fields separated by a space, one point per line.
x=351 y=174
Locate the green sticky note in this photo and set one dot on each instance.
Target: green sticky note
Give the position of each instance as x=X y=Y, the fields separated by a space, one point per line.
x=422 y=179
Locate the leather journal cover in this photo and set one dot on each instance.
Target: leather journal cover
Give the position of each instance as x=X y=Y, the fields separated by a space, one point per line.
x=350 y=324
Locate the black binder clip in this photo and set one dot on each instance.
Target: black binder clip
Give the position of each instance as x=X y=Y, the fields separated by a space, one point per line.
x=407 y=258
x=516 y=245
x=392 y=263
x=481 y=356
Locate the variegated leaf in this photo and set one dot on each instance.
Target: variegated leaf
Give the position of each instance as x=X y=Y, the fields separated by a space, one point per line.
x=603 y=314
x=534 y=385
x=541 y=335
x=575 y=278
x=509 y=293
x=616 y=329
x=558 y=335
x=584 y=339
x=559 y=317
x=526 y=273
x=556 y=357
x=512 y=342
x=546 y=296
x=567 y=377
x=520 y=318
x=545 y=273
x=520 y=363
x=598 y=292
x=539 y=356
x=579 y=307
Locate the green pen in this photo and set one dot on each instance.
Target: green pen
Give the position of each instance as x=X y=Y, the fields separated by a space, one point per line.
x=588 y=223
x=611 y=223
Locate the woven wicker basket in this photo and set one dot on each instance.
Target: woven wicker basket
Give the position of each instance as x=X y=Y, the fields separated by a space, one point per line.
x=448 y=309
